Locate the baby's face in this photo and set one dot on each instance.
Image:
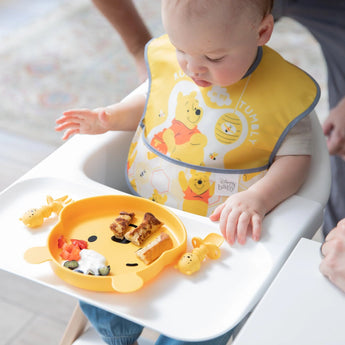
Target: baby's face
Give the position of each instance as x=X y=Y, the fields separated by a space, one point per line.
x=216 y=47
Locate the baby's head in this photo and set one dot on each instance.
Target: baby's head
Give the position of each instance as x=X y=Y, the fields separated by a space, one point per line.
x=217 y=40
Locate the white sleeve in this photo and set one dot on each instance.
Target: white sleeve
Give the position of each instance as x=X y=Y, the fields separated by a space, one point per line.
x=144 y=88
x=298 y=140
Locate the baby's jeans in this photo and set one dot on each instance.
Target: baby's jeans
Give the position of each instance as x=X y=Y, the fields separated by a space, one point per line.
x=116 y=330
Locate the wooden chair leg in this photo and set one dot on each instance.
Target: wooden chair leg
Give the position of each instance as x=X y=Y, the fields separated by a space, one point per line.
x=75 y=327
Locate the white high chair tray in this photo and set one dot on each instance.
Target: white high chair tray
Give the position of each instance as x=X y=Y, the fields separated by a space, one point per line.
x=300 y=307
x=191 y=308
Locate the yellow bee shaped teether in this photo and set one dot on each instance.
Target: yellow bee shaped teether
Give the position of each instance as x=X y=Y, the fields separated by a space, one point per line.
x=35 y=216
x=190 y=263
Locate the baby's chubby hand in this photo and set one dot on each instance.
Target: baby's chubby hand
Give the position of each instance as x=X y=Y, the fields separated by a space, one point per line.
x=239 y=214
x=83 y=121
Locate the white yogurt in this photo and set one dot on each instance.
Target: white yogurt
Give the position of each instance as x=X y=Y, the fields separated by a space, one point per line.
x=90 y=260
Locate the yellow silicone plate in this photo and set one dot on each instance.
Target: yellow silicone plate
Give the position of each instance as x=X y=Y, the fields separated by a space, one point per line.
x=89 y=220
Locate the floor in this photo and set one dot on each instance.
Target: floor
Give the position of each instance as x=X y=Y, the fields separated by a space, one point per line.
x=30 y=314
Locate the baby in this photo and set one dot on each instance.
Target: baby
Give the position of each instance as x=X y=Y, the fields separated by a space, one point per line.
x=224 y=130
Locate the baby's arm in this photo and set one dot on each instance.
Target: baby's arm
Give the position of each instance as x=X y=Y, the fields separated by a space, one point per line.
x=123 y=116
x=244 y=211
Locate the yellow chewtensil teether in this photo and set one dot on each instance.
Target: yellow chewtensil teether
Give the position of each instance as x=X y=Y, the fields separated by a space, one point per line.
x=34 y=217
x=190 y=263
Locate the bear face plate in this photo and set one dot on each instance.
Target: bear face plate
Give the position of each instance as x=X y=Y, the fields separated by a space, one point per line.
x=89 y=220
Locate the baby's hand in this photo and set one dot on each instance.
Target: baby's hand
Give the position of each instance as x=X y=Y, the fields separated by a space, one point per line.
x=83 y=121
x=239 y=214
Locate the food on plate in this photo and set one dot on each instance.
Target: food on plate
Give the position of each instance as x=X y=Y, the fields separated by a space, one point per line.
x=148 y=226
x=71 y=264
x=104 y=271
x=90 y=263
x=80 y=259
x=155 y=248
x=120 y=224
x=71 y=251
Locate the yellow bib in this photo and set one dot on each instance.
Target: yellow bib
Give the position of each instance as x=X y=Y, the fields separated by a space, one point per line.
x=196 y=146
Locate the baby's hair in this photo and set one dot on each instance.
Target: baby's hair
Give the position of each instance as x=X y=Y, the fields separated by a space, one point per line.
x=263 y=6
x=201 y=7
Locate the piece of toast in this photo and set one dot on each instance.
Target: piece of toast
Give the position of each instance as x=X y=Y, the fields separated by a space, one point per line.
x=155 y=248
x=148 y=226
x=120 y=224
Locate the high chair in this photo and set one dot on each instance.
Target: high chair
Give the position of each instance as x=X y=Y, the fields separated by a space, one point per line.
x=106 y=162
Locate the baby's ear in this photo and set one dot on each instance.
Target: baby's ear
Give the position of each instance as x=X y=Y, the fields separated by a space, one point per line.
x=265 y=29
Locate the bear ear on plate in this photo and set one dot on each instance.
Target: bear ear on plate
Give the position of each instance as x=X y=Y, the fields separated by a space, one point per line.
x=127 y=282
x=37 y=255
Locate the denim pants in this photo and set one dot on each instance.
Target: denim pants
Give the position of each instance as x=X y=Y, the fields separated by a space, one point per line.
x=116 y=330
